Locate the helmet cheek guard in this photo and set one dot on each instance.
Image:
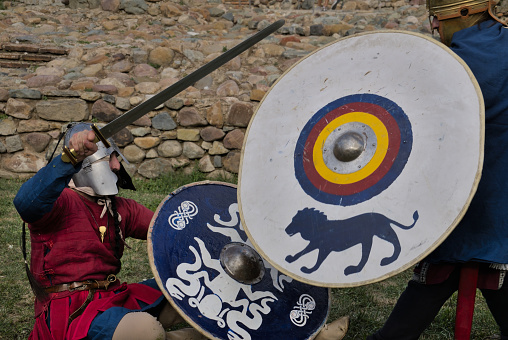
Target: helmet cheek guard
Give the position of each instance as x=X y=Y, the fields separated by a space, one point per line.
x=95 y=171
x=454 y=15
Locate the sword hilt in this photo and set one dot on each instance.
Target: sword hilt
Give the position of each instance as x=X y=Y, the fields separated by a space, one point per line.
x=70 y=156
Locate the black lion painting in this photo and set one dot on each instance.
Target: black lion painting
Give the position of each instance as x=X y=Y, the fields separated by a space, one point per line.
x=337 y=235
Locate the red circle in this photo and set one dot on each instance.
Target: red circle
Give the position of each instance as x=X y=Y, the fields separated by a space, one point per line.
x=348 y=189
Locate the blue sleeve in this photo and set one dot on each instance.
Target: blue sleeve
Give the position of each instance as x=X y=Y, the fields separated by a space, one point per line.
x=36 y=196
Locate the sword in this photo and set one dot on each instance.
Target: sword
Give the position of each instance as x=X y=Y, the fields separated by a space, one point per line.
x=140 y=110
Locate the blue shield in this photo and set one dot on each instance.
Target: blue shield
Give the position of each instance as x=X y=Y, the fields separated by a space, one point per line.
x=190 y=229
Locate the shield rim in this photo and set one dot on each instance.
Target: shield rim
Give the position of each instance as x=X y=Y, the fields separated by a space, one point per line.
x=158 y=279
x=459 y=216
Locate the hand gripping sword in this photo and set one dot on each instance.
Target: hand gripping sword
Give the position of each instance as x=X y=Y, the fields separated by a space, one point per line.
x=140 y=110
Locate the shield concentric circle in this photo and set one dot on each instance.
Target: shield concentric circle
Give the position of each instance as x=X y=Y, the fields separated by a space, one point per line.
x=330 y=180
x=362 y=158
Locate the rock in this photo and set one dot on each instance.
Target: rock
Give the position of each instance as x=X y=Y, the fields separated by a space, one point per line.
x=218 y=149
x=240 y=114
x=140 y=131
x=109 y=89
x=40 y=125
x=180 y=162
x=41 y=81
x=90 y=96
x=232 y=161
x=133 y=153
x=205 y=164
x=122 y=66
x=147 y=142
x=204 y=83
x=234 y=139
x=228 y=89
x=18 y=109
x=38 y=141
x=122 y=103
x=156 y=167
x=63 y=110
x=25 y=93
x=170 y=149
x=214 y=115
x=192 y=150
x=123 y=137
x=144 y=70
x=4 y=95
x=221 y=175
x=147 y=87
x=316 y=29
x=13 y=144
x=273 y=50
x=163 y=121
x=23 y=162
x=216 y=12
x=174 y=103
x=152 y=153
x=110 y=5
x=105 y=111
x=133 y=6
x=189 y=116
x=139 y=56
x=170 y=10
x=161 y=56
x=257 y=95
x=211 y=133
x=187 y=134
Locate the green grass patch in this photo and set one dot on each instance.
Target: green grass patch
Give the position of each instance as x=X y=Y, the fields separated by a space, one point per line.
x=367 y=306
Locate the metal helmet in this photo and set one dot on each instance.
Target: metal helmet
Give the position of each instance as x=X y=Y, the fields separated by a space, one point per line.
x=95 y=171
x=455 y=15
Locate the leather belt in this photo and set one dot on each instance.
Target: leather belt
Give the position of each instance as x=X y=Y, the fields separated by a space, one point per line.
x=82 y=285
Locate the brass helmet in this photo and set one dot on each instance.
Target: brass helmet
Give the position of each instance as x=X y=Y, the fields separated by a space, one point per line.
x=455 y=15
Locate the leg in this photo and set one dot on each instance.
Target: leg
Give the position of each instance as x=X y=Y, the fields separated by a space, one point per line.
x=335 y=330
x=497 y=300
x=185 y=334
x=416 y=308
x=139 y=325
x=169 y=316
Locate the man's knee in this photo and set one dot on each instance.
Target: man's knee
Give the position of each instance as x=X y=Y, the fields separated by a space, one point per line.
x=169 y=316
x=139 y=325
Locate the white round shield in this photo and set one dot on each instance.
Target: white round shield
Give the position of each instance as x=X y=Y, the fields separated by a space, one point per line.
x=362 y=158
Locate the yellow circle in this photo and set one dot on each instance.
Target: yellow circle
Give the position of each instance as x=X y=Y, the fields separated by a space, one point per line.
x=382 y=148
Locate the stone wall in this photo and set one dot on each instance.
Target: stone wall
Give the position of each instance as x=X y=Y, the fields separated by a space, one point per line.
x=198 y=127
x=113 y=60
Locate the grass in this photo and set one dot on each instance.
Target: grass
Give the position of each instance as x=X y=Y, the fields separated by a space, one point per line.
x=367 y=306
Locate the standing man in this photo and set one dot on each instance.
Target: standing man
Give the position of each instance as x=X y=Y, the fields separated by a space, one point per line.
x=471 y=30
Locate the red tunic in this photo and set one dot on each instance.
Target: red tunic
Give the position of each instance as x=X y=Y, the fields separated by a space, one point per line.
x=66 y=247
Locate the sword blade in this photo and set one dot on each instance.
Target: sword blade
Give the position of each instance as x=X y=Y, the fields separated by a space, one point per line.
x=140 y=110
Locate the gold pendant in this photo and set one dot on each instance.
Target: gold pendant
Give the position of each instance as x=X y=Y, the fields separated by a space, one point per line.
x=102 y=230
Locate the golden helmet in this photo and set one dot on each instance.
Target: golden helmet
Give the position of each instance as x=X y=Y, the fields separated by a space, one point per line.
x=454 y=15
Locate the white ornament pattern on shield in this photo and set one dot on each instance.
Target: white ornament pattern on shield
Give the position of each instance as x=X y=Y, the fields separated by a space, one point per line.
x=305 y=305
x=181 y=217
x=223 y=306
